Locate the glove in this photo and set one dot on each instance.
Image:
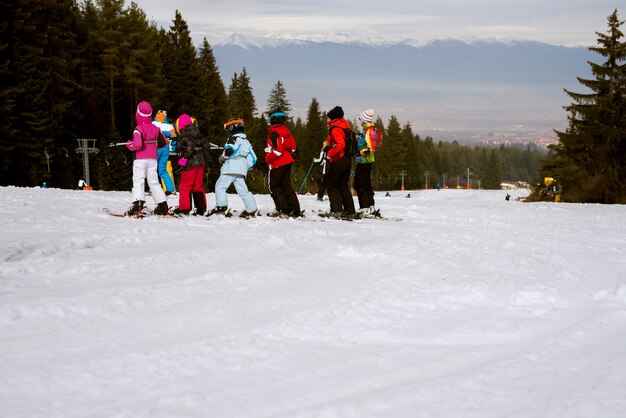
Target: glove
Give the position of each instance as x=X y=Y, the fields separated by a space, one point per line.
x=268 y=150
x=182 y=162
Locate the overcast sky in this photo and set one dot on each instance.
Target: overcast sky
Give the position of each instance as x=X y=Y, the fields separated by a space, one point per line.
x=562 y=22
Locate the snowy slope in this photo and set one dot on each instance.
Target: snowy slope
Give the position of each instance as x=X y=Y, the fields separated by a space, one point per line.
x=471 y=306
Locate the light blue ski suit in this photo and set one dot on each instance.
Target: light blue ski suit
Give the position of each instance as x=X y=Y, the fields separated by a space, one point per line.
x=234 y=170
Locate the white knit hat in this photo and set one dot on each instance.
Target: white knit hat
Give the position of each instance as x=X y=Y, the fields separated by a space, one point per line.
x=367 y=115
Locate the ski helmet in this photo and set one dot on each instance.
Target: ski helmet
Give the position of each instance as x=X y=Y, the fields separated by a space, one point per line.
x=277 y=117
x=234 y=125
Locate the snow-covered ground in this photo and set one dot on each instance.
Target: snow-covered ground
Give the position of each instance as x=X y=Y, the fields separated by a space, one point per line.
x=471 y=306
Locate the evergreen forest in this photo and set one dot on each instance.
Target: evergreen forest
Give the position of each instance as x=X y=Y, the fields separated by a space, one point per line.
x=589 y=161
x=73 y=70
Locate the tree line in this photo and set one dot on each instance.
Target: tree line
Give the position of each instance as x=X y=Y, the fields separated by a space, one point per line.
x=73 y=70
x=589 y=161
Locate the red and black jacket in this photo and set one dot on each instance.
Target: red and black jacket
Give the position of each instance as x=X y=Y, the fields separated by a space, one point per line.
x=279 y=146
x=336 y=139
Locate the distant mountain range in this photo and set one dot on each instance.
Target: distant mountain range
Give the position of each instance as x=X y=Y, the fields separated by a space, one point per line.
x=442 y=86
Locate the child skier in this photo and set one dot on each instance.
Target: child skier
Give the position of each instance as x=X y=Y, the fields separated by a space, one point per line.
x=163 y=155
x=279 y=147
x=237 y=159
x=190 y=148
x=144 y=143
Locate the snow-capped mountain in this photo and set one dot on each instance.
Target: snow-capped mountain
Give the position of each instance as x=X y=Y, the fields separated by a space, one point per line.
x=286 y=38
x=440 y=84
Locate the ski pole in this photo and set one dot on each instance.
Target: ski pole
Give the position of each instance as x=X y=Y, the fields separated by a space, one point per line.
x=117 y=144
x=306 y=177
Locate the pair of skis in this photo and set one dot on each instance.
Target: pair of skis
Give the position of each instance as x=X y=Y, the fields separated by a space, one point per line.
x=139 y=215
x=322 y=216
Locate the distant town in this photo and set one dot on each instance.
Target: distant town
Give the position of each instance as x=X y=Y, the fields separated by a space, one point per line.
x=540 y=137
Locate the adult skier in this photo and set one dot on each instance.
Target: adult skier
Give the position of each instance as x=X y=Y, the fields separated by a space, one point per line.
x=339 y=166
x=364 y=164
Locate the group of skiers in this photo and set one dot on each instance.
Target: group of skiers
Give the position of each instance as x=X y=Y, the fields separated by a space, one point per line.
x=151 y=144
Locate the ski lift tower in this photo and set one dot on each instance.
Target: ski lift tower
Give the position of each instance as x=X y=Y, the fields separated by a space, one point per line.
x=402 y=173
x=86 y=147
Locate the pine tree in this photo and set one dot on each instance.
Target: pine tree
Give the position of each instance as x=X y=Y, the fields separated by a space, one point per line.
x=181 y=70
x=443 y=164
x=11 y=89
x=590 y=159
x=212 y=112
x=62 y=71
x=93 y=116
x=29 y=72
x=110 y=42
x=391 y=161
x=409 y=163
x=492 y=173
x=142 y=64
x=212 y=95
x=241 y=102
x=314 y=132
x=278 y=99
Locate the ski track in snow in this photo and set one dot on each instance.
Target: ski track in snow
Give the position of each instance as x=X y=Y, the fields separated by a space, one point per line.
x=470 y=306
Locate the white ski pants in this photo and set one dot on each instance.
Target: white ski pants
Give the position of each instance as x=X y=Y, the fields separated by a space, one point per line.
x=142 y=170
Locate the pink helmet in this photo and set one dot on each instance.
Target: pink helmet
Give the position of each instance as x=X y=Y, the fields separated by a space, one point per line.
x=183 y=121
x=144 y=113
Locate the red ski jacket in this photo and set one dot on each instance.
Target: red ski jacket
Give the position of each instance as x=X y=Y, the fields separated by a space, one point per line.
x=278 y=151
x=336 y=139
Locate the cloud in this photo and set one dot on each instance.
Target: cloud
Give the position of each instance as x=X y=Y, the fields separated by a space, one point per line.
x=556 y=21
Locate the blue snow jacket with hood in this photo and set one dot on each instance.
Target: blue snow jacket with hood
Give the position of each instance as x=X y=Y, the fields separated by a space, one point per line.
x=238 y=155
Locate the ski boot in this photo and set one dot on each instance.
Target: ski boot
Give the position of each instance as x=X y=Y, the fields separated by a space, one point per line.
x=179 y=211
x=137 y=209
x=199 y=202
x=161 y=208
x=278 y=214
x=297 y=214
x=248 y=215
x=364 y=212
x=220 y=210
